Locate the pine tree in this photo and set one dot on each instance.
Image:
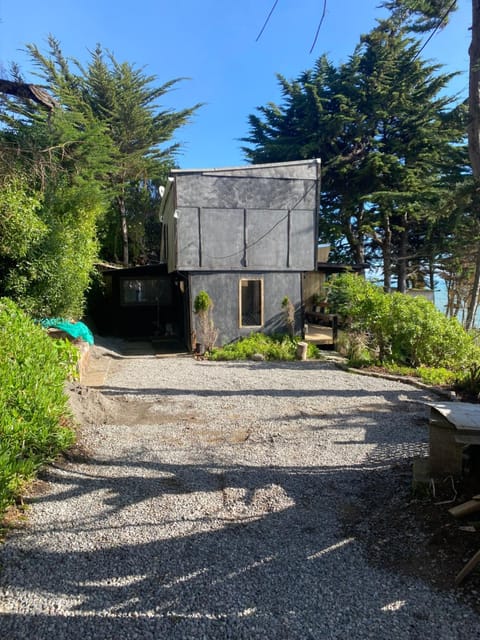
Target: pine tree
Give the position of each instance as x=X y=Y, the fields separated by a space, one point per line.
x=385 y=134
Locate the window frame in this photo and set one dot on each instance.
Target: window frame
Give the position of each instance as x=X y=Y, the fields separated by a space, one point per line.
x=262 y=305
x=149 y=302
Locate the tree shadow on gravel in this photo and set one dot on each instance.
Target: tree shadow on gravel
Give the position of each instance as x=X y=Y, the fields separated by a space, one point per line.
x=141 y=548
x=259 y=552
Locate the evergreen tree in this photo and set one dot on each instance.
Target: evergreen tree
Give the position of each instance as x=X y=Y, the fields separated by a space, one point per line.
x=426 y=15
x=124 y=101
x=385 y=135
x=96 y=153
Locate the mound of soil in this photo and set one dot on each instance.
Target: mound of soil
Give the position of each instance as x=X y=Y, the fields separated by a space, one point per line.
x=90 y=406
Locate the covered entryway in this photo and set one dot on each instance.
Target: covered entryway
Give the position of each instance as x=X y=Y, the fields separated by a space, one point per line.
x=143 y=303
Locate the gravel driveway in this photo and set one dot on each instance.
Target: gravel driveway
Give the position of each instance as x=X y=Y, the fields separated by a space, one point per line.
x=210 y=506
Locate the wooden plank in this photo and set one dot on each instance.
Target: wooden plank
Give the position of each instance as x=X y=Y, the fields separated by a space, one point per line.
x=468 y=568
x=464 y=509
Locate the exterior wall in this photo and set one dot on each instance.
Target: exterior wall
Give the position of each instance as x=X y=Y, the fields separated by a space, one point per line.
x=288 y=185
x=313 y=283
x=223 y=288
x=259 y=217
x=231 y=239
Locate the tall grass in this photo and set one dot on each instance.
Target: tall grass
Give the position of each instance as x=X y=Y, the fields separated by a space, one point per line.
x=33 y=404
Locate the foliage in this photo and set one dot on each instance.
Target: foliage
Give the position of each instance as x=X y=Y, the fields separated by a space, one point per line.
x=467 y=383
x=202 y=302
x=390 y=140
x=206 y=333
x=272 y=347
x=135 y=131
x=355 y=346
x=53 y=279
x=400 y=328
x=400 y=369
x=78 y=177
x=20 y=224
x=422 y=15
x=438 y=376
x=33 y=404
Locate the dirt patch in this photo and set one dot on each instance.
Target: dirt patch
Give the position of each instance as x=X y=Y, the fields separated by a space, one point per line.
x=91 y=407
x=417 y=536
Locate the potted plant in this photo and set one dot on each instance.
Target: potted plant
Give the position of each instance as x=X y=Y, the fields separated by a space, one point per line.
x=318 y=301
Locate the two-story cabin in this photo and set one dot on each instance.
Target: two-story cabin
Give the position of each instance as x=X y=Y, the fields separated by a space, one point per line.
x=246 y=236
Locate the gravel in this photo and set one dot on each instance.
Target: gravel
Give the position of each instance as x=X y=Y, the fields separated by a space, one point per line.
x=210 y=506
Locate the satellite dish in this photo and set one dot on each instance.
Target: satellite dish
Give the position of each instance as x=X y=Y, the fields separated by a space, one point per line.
x=161 y=191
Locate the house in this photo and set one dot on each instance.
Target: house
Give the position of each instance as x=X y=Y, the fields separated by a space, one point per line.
x=245 y=235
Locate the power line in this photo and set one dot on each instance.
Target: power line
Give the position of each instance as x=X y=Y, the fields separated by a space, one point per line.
x=316 y=33
x=319 y=25
x=441 y=21
x=266 y=21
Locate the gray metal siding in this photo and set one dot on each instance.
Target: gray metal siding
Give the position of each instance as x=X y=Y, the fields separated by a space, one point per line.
x=227 y=239
x=223 y=288
x=255 y=217
x=236 y=191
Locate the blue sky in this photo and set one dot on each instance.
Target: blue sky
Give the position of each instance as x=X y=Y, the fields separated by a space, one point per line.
x=213 y=43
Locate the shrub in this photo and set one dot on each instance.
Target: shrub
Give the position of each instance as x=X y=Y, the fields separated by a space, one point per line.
x=289 y=315
x=56 y=273
x=206 y=333
x=274 y=347
x=436 y=375
x=400 y=329
x=467 y=383
x=33 y=404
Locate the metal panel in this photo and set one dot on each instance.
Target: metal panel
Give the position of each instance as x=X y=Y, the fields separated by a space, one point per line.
x=223 y=288
x=242 y=191
x=187 y=240
x=253 y=217
x=303 y=237
x=267 y=244
x=222 y=238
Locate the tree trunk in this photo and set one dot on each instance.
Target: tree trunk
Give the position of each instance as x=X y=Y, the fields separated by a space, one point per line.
x=387 y=254
x=124 y=229
x=355 y=238
x=474 y=144
x=402 y=258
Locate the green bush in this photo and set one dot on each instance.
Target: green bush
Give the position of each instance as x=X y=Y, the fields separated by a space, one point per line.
x=274 y=347
x=57 y=269
x=401 y=329
x=33 y=404
x=436 y=375
x=202 y=302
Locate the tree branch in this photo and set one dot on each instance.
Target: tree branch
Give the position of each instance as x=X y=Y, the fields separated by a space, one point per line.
x=29 y=91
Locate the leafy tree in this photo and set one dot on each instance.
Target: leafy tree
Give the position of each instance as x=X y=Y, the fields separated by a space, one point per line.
x=61 y=151
x=93 y=156
x=386 y=137
x=125 y=101
x=425 y=15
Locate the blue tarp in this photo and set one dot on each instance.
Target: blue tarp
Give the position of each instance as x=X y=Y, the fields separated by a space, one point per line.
x=74 y=329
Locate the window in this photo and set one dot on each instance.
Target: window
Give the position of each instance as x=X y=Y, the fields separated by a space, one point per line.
x=251 y=303
x=146 y=291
